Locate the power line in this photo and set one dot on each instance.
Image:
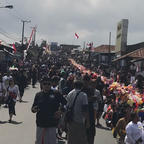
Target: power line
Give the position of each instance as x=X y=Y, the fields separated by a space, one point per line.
x=4 y=34
x=15 y=15
x=9 y=35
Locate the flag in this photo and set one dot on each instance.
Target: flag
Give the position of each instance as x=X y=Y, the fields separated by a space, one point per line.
x=14 y=48
x=76 y=35
x=90 y=45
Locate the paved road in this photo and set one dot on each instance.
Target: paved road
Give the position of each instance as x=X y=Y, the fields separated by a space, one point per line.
x=22 y=130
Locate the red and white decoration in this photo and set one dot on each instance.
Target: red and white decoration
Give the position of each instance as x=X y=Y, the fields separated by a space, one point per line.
x=90 y=45
x=76 y=36
x=14 y=48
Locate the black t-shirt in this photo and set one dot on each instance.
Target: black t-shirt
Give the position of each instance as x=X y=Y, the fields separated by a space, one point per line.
x=48 y=103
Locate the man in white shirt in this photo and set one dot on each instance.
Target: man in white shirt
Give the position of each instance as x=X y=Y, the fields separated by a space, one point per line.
x=134 y=131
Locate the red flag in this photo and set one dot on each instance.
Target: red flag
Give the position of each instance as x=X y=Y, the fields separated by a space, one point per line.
x=76 y=35
x=90 y=45
x=14 y=48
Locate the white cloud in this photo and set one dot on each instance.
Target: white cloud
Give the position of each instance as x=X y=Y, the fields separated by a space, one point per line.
x=58 y=20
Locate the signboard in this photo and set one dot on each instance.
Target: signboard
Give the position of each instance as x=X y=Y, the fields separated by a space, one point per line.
x=121 y=37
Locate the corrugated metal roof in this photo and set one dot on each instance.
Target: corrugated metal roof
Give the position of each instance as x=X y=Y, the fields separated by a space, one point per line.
x=104 y=48
x=135 y=54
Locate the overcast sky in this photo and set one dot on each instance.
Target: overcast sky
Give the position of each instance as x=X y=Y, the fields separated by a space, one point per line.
x=58 y=20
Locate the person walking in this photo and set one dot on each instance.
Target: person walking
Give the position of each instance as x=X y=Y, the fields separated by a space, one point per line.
x=21 y=83
x=13 y=93
x=6 y=79
x=34 y=75
x=46 y=105
x=76 y=133
x=90 y=91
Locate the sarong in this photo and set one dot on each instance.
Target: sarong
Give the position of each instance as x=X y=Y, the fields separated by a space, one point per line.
x=45 y=135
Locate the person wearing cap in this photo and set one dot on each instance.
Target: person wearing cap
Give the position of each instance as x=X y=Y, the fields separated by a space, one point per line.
x=46 y=105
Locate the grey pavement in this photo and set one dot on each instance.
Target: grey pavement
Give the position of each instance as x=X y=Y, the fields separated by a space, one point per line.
x=22 y=130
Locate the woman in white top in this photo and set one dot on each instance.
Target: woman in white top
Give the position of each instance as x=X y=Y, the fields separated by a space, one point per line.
x=134 y=131
x=13 y=93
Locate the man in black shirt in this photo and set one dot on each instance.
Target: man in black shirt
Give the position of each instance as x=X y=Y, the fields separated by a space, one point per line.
x=46 y=106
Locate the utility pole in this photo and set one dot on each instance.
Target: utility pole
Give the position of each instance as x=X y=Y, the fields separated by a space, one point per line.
x=34 y=36
x=84 y=46
x=89 y=53
x=23 y=21
x=109 y=50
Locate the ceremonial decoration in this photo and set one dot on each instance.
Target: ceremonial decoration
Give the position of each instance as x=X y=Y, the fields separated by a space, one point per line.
x=127 y=94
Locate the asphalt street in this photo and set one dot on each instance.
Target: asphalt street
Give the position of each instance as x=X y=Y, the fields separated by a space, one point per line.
x=22 y=129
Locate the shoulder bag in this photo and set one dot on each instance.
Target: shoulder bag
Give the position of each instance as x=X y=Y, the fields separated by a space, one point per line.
x=70 y=111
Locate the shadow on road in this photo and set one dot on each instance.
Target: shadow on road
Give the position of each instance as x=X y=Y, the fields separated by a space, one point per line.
x=104 y=128
x=24 y=101
x=15 y=122
x=3 y=122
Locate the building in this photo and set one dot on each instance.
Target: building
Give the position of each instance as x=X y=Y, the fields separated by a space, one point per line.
x=133 y=55
x=127 y=55
x=66 y=48
x=103 y=54
x=121 y=37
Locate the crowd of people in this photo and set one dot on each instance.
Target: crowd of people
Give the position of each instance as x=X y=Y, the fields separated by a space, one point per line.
x=71 y=101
